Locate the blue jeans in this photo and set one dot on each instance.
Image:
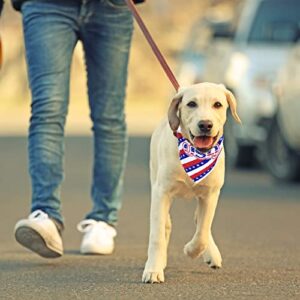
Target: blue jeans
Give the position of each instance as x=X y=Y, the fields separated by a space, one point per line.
x=51 y=31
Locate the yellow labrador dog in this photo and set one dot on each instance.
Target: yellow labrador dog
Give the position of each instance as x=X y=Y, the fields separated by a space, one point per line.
x=198 y=114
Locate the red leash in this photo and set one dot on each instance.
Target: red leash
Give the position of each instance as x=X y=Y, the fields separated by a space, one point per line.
x=153 y=45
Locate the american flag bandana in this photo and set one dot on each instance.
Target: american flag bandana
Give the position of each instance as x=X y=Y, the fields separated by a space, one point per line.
x=197 y=164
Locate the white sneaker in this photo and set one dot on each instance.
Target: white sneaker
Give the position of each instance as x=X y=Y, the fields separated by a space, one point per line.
x=39 y=234
x=98 y=237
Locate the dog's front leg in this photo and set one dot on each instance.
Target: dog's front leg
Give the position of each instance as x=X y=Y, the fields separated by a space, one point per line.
x=212 y=255
x=205 y=213
x=157 y=250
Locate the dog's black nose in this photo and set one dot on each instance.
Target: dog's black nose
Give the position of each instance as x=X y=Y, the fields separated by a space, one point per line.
x=205 y=126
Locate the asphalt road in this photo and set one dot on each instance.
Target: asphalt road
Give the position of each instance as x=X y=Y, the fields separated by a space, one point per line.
x=257 y=228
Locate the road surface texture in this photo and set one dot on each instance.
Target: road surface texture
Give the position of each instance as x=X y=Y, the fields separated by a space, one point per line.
x=257 y=228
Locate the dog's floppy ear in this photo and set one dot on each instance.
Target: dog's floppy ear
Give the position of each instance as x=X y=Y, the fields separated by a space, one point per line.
x=232 y=104
x=172 y=112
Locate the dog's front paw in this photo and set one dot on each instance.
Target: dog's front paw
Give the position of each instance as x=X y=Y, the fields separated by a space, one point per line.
x=213 y=258
x=194 y=250
x=153 y=276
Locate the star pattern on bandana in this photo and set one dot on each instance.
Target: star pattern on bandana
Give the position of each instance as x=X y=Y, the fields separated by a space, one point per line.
x=197 y=164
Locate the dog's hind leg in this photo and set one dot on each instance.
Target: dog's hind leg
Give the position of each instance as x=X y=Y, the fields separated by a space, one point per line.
x=159 y=236
x=212 y=255
x=204 y=216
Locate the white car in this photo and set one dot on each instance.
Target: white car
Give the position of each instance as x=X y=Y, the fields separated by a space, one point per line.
x=282 y=146
x=265 y=33
x=204 y=32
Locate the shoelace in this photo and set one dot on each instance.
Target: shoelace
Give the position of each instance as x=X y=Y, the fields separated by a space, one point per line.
x=38 y=214
x=87 y=225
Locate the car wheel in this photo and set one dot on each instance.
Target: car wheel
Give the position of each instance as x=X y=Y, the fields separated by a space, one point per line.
x=282 y=162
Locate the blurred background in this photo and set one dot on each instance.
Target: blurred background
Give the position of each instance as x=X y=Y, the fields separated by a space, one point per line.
x=249 y=45
x=252 y=47
x=148 y=93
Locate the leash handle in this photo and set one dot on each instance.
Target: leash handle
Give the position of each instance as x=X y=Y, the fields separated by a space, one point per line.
x=153 y=45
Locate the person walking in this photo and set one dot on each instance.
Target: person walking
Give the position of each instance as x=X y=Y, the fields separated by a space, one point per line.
x=52 y=28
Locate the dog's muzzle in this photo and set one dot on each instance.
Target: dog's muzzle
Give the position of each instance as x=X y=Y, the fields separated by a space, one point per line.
x=203 y=142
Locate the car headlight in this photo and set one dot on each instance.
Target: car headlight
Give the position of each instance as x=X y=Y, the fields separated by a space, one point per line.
x=238 y=66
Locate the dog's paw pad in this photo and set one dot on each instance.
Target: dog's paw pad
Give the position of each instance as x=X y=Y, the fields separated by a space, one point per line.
x=213 y=264
x=215 y=267
x=153 y=277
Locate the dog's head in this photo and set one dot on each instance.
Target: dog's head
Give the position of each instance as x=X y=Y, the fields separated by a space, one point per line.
x=200 y=111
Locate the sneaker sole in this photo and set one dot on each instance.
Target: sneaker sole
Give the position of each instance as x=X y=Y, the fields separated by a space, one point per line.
x=32 y=240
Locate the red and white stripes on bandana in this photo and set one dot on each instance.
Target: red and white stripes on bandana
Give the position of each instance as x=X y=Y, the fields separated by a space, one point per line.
x=197 y=164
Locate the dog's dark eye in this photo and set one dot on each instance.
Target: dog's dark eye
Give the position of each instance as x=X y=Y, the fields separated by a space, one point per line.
x=218 y=104
x=192 y=104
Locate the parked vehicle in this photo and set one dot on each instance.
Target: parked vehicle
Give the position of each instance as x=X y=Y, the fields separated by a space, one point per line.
x=266 y=31
x=204 y=32
x=282 y=146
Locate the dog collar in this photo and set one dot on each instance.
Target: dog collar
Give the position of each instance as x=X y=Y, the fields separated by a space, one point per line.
x=197 y=164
